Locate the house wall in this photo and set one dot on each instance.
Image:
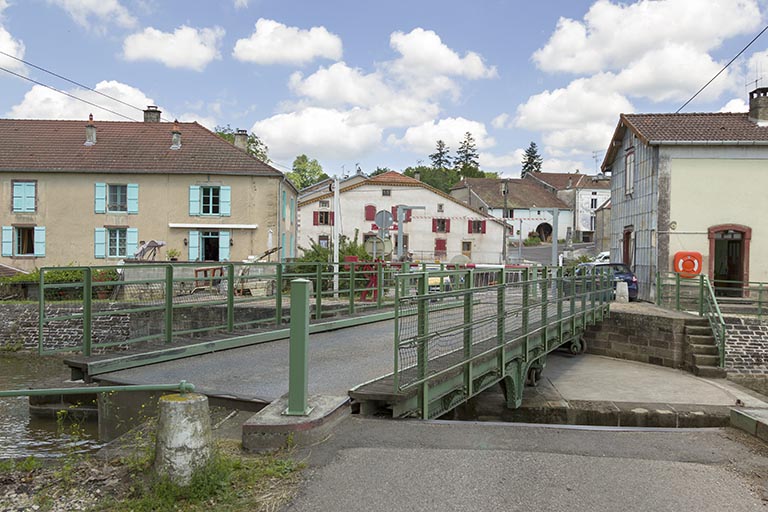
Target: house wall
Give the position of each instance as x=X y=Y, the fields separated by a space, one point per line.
x=532 y=218
x=65 y=207
x=603 y=230
x=583 y=210
x=486 y=247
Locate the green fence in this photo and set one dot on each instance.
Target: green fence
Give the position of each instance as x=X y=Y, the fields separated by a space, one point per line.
x=90 y=309
x=459 y=332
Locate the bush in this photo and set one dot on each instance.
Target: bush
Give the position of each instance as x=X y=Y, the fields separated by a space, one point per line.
x=532 y=240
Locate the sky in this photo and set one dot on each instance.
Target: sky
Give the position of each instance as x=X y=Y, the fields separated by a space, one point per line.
x=375 y=84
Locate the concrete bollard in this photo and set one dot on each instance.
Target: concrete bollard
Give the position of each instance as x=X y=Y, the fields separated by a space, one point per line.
x=622 y=292
x=184 y=439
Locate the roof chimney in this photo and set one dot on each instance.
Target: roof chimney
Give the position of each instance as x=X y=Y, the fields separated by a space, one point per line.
x=241 y=139
x=90 y=132
x=417 y=175
x=152 y=114
x=176 y=136
x=758 y=106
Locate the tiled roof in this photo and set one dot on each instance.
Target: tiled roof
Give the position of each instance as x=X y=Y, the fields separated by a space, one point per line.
x=393 y=177
x=521 y=193
x=121 y=147
x=732 y=127
x=560 y=180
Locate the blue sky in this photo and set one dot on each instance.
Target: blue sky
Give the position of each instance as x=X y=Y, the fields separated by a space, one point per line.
x=377 y=83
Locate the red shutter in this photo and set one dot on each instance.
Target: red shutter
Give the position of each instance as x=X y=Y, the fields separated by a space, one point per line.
x=332 y=217
x=315 y=218
x=441 y=244
x=447 y=225
x=370 y=212
x=394 y=214
x=408 y=215
x=434 y=225
x=469 y=227
x=482 y=228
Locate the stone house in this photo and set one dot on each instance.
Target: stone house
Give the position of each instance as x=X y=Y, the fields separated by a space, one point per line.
x=90 y=192
x=603 y=227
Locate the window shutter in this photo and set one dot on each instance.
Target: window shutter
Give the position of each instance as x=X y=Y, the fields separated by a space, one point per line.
x=100 y=243
x=100 y=196
x=131 y=242
x=29 y=197
x=282 y=245
x=40 y=241
x=482 y=227
x=434 y=225
x=447 y=225
x=18 y=197
x=315 y=218
x=7 y=241
x=194 y=245
x=225 y=201
x=293 y=213
x=408 y=215
x=285 y=204
x=441 y=244
x=333 y=218
x=194 y=200
x=133 y=198
x=469 y=227
x=394 y=214
x=370 y=212
x=224 y=238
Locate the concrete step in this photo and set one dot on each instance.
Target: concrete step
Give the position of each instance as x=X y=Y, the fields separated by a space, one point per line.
x=698 y=330
x=695 y=339
x=696 y=322
x=751 y=421
x=705 y=359
x=708 y=349
x=710 y=372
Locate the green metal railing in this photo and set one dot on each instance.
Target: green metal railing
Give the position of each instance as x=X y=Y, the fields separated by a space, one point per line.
x=182 y=387
x=454 y=341
x=87 y=309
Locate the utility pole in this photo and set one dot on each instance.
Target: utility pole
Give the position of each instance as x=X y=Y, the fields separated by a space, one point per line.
x=335 y=232
x=401 y=208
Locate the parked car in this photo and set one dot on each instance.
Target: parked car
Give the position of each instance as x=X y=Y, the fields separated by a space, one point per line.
x=620 y=272
x=603 y=257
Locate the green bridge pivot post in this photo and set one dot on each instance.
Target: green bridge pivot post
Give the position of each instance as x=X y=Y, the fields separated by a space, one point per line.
x=298 y=368
x=41 y=313
x=230 y=297
x=168 y=304
x=278 y=294
x=87 y=305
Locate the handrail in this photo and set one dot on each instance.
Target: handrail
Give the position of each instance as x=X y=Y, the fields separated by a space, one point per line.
x=182 y=387
x=716 y=321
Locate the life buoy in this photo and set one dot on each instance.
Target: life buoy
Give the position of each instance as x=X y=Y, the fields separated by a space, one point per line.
x=688 y=263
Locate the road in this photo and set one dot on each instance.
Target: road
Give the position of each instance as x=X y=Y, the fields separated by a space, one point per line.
x=543 y=253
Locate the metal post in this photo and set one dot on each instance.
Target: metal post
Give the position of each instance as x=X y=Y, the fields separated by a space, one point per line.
x=701 y=294
x=319 y=290
x=230 y=297
x=351 y=287
x=379 y=284
x=87 y=293
x=279 y=294
x=544 y=312
x=468 y=321
x=423 y=346
x=555 y=217
x=501 y=321
x=396 y=372
x=41 y=313
x=335 y=227
x=524 y=320
x=559 y=305
x=505 y=191
x=169 y=303
x=298 y=368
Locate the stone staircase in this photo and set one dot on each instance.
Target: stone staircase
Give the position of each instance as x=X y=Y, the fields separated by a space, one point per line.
x=701 y=356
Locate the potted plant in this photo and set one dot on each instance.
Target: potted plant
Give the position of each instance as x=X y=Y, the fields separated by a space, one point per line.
x=173 y=254
x=103 y=276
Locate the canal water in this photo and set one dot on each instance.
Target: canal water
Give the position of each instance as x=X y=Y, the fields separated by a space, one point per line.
x=22 y=435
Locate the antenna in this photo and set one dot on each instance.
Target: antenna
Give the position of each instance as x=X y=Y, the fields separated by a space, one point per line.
x=596 y=158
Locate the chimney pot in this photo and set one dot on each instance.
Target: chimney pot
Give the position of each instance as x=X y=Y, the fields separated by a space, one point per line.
x=176 y=136
x=241 y=139
x=90 y=132
x=152 y=114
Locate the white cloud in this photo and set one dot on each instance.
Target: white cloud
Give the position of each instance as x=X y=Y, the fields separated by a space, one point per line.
x=318 y=132
x=275 y=43
x=207 y=121
x=507 y=162
x=558 y=165
x=341 y=85
x=500 y=121
x=241 y=4
x=42 y=103
x=93 y=13
x=186 y=47
x=422 y=138
x=735 y=105
x=612 y=35
x=11 y=46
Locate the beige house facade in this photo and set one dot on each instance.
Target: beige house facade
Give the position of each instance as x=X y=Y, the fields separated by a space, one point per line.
x=91 y=193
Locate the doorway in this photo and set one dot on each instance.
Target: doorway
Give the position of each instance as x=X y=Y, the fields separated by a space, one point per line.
x=729 y=259
x=628 y=246
x=544 y=230
x=210 y=246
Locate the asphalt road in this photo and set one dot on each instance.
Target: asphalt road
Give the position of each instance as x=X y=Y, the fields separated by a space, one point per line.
x=371 y=465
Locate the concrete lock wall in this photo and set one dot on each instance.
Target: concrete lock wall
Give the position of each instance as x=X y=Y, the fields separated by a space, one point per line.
x=746 y=355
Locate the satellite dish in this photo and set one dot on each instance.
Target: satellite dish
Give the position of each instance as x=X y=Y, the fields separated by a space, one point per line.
x=460 y=259
x=377 y=247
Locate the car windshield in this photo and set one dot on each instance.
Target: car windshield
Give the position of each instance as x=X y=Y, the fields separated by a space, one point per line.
x=617 y=268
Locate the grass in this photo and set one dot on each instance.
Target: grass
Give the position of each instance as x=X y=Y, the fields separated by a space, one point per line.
x=27 y=465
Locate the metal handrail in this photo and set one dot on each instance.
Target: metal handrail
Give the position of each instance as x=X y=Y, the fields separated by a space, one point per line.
x=715 y=317
x=182 y=387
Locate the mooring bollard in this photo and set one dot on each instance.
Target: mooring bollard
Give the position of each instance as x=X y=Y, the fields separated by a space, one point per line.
x=184 y=439
x=298 y=366
x=622 y=292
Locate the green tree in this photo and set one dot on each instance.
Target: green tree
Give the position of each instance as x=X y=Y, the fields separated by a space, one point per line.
x=380 y=170
x=306 y=172
x=441 y=159
x=255 y=146
x=441 y=179
x=467 y=161
x=532 y=159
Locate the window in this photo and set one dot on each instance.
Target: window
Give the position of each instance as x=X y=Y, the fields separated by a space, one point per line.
x=117 y=198
x=629 y=171
x=208 y=200
x=209 y=245
x=441 y=225
x=322 y=218
x=466 y=249
x=476 y=226
x=593 y=203
x=441 y=248
x=24 y=196
x=324 y=204
x=23 y=241
x=324 y=241
x=386 y=192
x=440 y=208
x=117 y=241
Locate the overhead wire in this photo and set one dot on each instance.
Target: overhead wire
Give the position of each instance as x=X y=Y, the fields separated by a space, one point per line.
x=724 y=68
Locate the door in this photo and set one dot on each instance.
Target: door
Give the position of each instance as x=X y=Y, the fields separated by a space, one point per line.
x=210 y=246
x=728 y=272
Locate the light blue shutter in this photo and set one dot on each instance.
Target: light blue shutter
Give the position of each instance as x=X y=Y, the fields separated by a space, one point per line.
x=194 y=200
x=285 y=204
x=292 y=251
x=29 y=197
x=225 y=201
x=100 y=195
x=282 y=247
x=194 y=245
x=100 y=243
x=18 y=197
x=131 y=242
x=223 y=245
x=133 y=198
x=40 y=242
x=293 y=213
x=7 y=241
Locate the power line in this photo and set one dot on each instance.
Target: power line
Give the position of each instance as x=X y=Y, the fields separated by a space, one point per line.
x=724 y=68
x=66 y=93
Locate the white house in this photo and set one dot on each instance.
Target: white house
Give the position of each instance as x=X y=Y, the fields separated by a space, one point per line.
x=439 y=228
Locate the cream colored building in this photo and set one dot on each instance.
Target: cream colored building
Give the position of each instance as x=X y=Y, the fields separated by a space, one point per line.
x=91 y=192
x=692 y=182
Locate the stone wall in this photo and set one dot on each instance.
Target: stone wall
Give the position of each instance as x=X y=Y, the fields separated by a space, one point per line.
x=746 y=346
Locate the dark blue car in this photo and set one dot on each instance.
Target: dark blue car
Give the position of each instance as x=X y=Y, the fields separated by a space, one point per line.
x=620 y=272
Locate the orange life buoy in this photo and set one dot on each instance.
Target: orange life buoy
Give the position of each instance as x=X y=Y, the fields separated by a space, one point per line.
x=688 y=263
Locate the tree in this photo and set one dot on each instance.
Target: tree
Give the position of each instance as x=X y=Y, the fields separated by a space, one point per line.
x=467 y=158
x=440 y=158
x=531 y=159
x=441 y=179
x=306 y=172
x=255 y=146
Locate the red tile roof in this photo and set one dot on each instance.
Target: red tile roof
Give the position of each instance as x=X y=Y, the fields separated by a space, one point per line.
x=521 y=193
x=121 y=147
x=393 y=177
x=732 y=127
x=566 y=180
